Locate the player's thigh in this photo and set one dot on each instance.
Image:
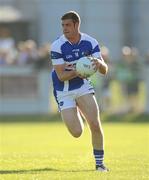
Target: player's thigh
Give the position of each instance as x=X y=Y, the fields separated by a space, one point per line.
x=73 y=120
x=89 y=108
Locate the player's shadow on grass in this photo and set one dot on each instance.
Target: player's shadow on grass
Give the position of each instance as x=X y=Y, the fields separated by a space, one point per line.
x=26 y=171
x=32 y=171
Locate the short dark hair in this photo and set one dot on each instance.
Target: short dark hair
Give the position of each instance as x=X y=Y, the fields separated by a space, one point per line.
x=71 y=15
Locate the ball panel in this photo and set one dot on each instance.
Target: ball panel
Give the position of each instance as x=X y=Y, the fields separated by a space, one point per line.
x=84 y=66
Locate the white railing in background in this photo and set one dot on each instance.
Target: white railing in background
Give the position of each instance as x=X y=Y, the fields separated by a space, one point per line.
x=24 y=90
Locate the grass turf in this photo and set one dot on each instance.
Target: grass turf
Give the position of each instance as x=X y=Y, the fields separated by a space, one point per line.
x=46 y=151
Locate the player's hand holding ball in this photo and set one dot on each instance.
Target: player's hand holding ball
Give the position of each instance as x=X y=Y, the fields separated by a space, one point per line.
x=96 y=62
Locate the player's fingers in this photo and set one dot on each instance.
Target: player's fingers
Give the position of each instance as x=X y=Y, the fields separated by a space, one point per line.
x=95 y=68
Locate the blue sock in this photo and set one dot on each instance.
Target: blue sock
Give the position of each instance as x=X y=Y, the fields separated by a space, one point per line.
x=99 y=156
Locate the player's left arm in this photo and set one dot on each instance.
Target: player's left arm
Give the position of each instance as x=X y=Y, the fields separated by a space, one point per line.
x=97 y=58
x=100 y=65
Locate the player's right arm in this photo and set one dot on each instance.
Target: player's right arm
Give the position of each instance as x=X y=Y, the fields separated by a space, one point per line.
x=62 y=74
x=59 y=64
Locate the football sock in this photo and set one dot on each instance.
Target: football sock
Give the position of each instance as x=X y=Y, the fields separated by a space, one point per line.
x=99 y=156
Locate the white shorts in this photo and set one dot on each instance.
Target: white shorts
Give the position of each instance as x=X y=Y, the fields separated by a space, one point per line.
x=67 y=99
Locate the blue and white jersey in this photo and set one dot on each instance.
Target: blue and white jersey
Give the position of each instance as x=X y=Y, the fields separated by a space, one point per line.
x=63 y=52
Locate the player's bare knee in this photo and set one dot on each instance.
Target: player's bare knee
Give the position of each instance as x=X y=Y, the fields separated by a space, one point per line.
x=76 y=133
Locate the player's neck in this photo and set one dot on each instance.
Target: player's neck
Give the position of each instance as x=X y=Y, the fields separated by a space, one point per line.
x=75 y=39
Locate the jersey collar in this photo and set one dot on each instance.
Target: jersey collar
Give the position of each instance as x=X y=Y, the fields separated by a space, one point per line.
x=66 y=40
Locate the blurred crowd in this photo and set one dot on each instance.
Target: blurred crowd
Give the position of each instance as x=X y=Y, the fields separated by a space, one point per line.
x=128 y=79
x=128 y=73
x=27 y=52
x=24 y=53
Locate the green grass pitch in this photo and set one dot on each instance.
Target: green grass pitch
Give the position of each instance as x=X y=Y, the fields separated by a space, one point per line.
x=46 y=151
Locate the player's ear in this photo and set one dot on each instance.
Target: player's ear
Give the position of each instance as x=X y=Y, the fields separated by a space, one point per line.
x=76 y=24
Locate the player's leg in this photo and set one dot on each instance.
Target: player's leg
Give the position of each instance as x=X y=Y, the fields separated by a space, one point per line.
x=89 y=108
x=73 y=121
x=69 y=112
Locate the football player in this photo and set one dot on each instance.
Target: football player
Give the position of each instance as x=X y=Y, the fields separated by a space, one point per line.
x=73 y=92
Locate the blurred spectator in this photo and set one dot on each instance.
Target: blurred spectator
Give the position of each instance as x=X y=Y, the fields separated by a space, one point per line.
x=147 y=58
x=7 y=46
x=105 y=85
x=128 y=72
x=28 y=53
x=3 y=57
x=43 y=59
x=6 y=40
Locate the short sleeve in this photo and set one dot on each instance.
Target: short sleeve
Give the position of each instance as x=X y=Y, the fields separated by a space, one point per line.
x=96 y=49
x=56 y=55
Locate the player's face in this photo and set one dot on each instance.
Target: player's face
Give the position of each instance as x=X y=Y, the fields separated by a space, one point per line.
x=70 y=29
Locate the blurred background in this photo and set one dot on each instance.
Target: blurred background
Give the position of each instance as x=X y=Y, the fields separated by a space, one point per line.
x=27 y=27
x=34 y=143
